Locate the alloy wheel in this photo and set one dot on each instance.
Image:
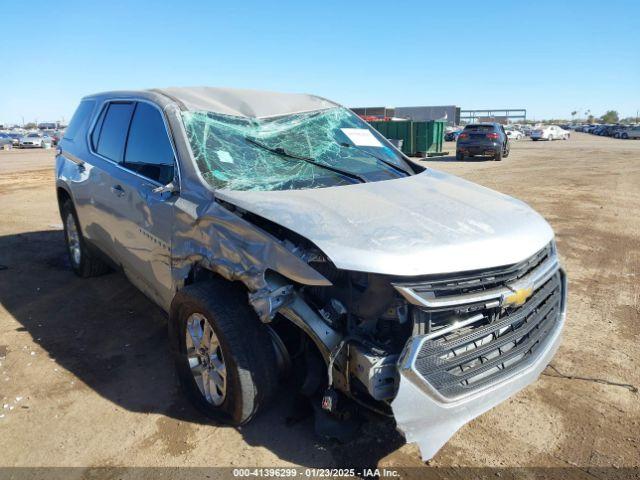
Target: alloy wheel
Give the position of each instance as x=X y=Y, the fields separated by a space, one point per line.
x=73 y=240
x=205 y=359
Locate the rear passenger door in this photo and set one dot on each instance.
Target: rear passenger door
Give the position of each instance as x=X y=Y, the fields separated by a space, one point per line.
x=108 y=137
x=140 y=215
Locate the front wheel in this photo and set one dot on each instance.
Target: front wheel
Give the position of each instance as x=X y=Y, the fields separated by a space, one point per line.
x=624 y=136
x=224 y=355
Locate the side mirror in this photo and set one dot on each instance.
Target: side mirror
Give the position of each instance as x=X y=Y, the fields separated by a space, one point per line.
x=169 y=187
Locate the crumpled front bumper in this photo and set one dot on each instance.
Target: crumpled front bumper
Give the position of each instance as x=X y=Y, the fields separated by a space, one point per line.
x=428 y=419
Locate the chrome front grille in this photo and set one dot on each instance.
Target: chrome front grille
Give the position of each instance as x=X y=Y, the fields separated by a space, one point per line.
x=483 y=280
x=476 y=287
x=456 y=365
x=478 y=328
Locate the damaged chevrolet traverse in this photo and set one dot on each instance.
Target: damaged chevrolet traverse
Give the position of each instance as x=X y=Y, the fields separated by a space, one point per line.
x=284 y=237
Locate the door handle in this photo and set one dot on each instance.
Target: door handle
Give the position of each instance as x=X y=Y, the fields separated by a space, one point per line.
x=117 y=190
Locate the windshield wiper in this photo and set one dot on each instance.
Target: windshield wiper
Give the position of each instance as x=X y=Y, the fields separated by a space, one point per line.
x=386 y=162
x=283 y=153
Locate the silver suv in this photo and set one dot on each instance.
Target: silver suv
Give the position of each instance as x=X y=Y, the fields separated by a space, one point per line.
x=282 y=235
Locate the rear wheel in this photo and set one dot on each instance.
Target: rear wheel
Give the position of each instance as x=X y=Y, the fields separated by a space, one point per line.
x=224 y=355
x=624 y=135
x=460 y=156
x=83 y=262
x=498 y=156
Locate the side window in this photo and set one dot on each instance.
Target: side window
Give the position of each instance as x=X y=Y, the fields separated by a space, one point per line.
x=149 y=151
x=95 y=134
x=113 y=133
x=79 y=120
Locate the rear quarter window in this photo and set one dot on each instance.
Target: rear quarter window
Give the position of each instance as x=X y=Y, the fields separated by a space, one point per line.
x=95 y=134
x=80 y=120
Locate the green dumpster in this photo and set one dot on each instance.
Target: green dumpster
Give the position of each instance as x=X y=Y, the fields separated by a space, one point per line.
x=397 y=131
x=418 y=138
x=429 y=137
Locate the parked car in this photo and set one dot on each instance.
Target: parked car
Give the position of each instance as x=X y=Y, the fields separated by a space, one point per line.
x=15 y=137
x=5 y=139
x=54 y=135
x=601 y=130
x=631 y=132
x=612 y=130
x=32 y=140
x=281 y=232
x=617 y=132
x=514 y=134
x=484 y=140
x=550 y=132
x=452 y=136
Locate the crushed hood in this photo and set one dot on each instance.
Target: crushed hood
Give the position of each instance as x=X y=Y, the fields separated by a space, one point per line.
x=428 y=223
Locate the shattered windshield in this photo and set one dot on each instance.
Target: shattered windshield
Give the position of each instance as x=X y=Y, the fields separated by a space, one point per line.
x=304 y=150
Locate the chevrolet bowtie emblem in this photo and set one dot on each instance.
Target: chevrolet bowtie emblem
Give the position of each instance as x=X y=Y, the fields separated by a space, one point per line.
x=518 y=297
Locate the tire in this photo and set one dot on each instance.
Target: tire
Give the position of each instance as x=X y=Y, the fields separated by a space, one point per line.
x=460 y=156
x=83 y=262
x=624 y=136
x=506 y=152
x=498 y=156
x=244 y=349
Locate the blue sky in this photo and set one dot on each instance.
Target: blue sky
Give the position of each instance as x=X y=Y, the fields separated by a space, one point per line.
x=550 y=57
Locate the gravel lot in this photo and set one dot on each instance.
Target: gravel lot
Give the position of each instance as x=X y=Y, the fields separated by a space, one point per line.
x=86 y=378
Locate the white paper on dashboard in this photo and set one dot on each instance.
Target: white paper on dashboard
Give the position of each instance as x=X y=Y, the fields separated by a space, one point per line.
x=361 y=137
x=224 y=156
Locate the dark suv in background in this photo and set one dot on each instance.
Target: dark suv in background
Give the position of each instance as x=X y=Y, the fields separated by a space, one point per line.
x=483 y=139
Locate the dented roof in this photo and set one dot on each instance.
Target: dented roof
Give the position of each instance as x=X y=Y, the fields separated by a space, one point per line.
x=244 y=103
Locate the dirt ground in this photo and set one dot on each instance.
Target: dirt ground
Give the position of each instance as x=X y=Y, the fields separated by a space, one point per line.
x=86 y=378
